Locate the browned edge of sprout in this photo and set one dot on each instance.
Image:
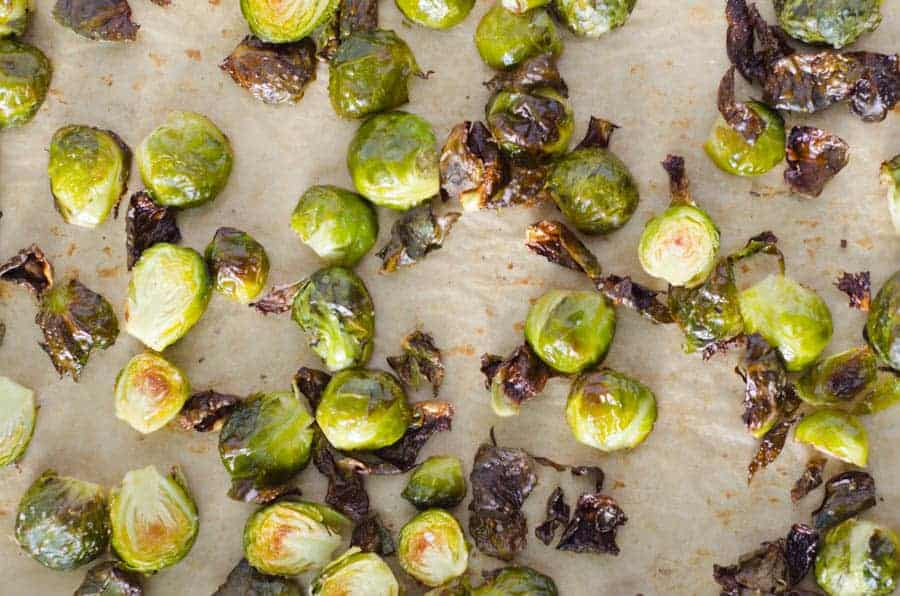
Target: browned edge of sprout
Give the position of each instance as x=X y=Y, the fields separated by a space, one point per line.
x=810 y=480
x=279 y=299
x=420 y=362
x=857 y=287
x=30 y=268
x=599 y=133
x=537 y=72
x=558 y=512
x=272 y=73
x=813 y=157
x=311 y=383
x=846 y=495
x=429 y=417
x=521 y=375
x=146 y=224
x=770 y=446
x=738 y=115
x=351 y=16
x=206 y=411
x=372 y=536
x=593 y=526
x=106 y=20
x=415 y=234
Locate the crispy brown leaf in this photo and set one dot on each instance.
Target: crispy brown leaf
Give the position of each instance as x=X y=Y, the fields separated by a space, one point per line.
x=429 y=417
x=522 y=375
x=418 y=232
x=30 y=268
x=420 y=362
x=593 y=526
x=246 y=490
x=272 y=73
x=858 y=287
x=357 y=16
x=558 y=244
x=846 y=495
x=738 y=115
x=206 y=411
x=311 y=383
x=471 y=165
x=624 y=292
x=523 y=185
x=763 y=571
x=557 y=517
x=346 y=490
x=105 y=20
x=800 y=550
x=279 y=299
x=770 y=447
x=813 y=158
x=599 y=133
x=537 y=72
x=146 y=224
x=244 y=580
x=594 y=471
x=810 y=480
x=372 y=536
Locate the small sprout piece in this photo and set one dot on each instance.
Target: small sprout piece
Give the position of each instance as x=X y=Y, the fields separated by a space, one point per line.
x=63 y=522
x=88 y=172
x=428 y=417
x=393 y=160
x=30 y=268
x=438 y=482
x=858 y=288
x=432 y=548
x=238 y=265
x=244 y=580
x=14 y=17
x=890 y=177
x=292 y=537
x=420 y=362
x=836 y=22
x=838 y=379
x=537 y=123
x=770 y=446
x=371 y=536
x=100 y=20
x=146 y=224
x=436 y=14
x=846 y=495
x=110 y=579
x=858 y=557
x=363 y=410
x=472 y=167
x=356 y=573
x=522 y=581
x=593 y=527
x=593 y=18
x=810 y=480
x=609 y=411
x=883 y=324
x=505 y=39
x=558 y=512
x=24 y=80
x=272 y=73
x=168 y=293
x=837 y=434
x=514 y=380
x=281 y=22
x=558 y=244
x=150 y=392
x=418 y=232
x=814 y=157
x=186 y=161
x=206 y=411
x=17 y=415
x=338 y=225
x=774 y=568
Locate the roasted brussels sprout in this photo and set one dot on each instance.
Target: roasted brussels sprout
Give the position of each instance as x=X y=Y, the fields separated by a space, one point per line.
x=63 y=522
x=432 y=548
x=436 y=14
x=110 y=579
x=292 y=537
x=244 y=580
x=17 y=415
x=504 y=39
x=340 y=226
x=356 y=573
x=154 y=520
x=272 y=73
x=521 y=581
x=363 y=410
x=593 y=18
x=570 y=331
x=150 y=392
x=609 y=411
x=890 y=177
x=835 y=433
x=858 y=557
x=186 y=161
x=393 y=160
x=24 y=80
x=100 y=20
x=838 y=379
x=438 y=482
x=537 y=123
x=790 y=317
x=835 y=22
x=238 y=265
x=276 y=21
x=167 y=295
x=335 y=310
x=88 y=172
x=883 y=324
x=14 y=17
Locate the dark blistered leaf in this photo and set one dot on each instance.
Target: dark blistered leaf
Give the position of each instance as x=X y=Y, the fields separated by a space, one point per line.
x=858 y=287
x=624 y=292
x=520 y=376
x=537 y=72
x=846 y=495
x=763 y=571
x=29 y=268
x=279 y=299
x=311 y=383
x=557 y=517
x=146 y=224
x=594 y=471
x=206 y=411
x=471 y=165
x=770 y=446
x=346 y=491
x=499 y=535
x=599 y=133
x=878 y=88
x=355 y=16
x=420 y=362
x=414 y=235
x=110 y=578
x=247 y=490
x=765 y=386
x=679 y=185
x=810 y=480
x=272 y=73
x=800 y=550
x=744 y=25
x=106 y=20
x=814 y=157
x=593 y=526
x=524 y=185
x=558 y=244
x=429 y=417
x=372 y=536
x=244 y=580
x=738 y=115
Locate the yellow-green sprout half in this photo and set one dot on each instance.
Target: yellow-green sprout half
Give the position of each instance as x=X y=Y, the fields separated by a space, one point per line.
x=150 y=391
x=858 y=558
x=837 y=434
x=281 y=21
x=436 y=14
x=17 y=415
x=680 y=246
x=356 y=573
x=432 y=548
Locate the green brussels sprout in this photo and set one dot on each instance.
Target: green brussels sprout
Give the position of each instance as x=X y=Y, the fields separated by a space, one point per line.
x=340 y=226
x=438 y=482
x=570 y=331
x=370 y=73
x=356 y=573
x=609 y=411
x=17 y=415
x=858 y=557
x=680 y=246
x=292 y=537
x=24 y=80
x=335 y=310
x=110 y=579
x=277 y=21
x=505 y=39
x=732 y=153
x=149 y=392
x=186 y=161
x=238 y=265
x=432 y=548
x=88 y=172
x=436 y=14
x=63 y=522
x=838 y=379
x=537 y=123
x=835 y=22
x=883 y=324
x=154 y=520
x=363 y=410
x=835 y=433
x=168 y=293
x=14 y=17
x=518 y=581
x=593 y=18
x=393 y=160
x=890 y=177
x=522 y=6
x=790 y=317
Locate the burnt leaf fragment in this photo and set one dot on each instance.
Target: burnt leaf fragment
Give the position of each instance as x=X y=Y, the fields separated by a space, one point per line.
x=557 y=517
x=765 y=390
x=471 y=165
x=523 y=185
x=244 y=580
x=738 y=115
x=346 y=490
x=520 y=376
x=599 y=133
x=594 y=471
x=858 y=287
x=763 y=571
x=146 y=224
x=558 y=244
x=846 y=495
x=206 y=411
x=625 y=292
x=814 y=157
x=537 y=72
x=30 y=268
x=279 y=299
x=105 y=20
x=311 y=383
x=810 y=480
x=801 y=546
x=371 y=535
x=418 y=232
x=770 y=446
x=593 y=526
x=420 y=362
x=272 y=73
x=429 y=417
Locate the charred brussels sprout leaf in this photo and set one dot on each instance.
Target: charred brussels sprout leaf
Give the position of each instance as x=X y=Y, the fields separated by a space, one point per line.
x=514 y=380
x=432 y=548
x=522 y=581
x=835 y=22
x=837 y=434
x=846 y=495
x=356 y=573
x=558 y=512
x=593 y=18
x=244 y=580
x=146 y=224
x=810 y=480
x=88 y=172
x=24 y=80
x=814 y=157
x=767 y=392
x=276 y=21
x=238 y=265
x=338 y=225
x=858 y=288
x=371 y=536
x=168 y=293
x=770 y=446
x=186 y=161
x=858 y=557
x=110 y=579
x=311 y=384
x=593 y=526
x=890 y=178
x=558 y=244
x=30 y=268
x=14 y=17
x=428 y=417
x=104 y=20
x=471 y=166
x=346 y=490
x=774 y=568
x=415 y=234
x=394 y=162
x=838 y=379
x=505 y=39
x=436 y=14
x=438 y=482
x=17 y=415
x=538 y=123
x=206 y=411
x=62 y=522
x=539 y=72
x=272 y=73
x=421 y=362
x=150 y=392
x=883 y=324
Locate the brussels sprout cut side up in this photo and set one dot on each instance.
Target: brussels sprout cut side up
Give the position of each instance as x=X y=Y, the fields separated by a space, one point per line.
x=356 y=573
x=338 y=225
x=858 y=557
x=432 y=548
x=24 y=80
x=149 y=392
x=505 y=39
x=837 y=434
x=17 y=416
x=238 y=265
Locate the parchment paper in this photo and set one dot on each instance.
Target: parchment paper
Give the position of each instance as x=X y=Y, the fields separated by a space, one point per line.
x=684 y=489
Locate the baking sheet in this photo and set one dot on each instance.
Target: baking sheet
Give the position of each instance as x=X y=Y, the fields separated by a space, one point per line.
x=683 y=490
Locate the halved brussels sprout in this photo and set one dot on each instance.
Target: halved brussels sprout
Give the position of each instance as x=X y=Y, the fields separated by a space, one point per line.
x=858 y=557
x=538 y=123
x=154 y=520
x=17 y=414
x=838 y=379
x=432 y=548
x=24 y=80
x=505 y=39
x=185 y=161
x=593 y=18
x=890 y=177
x=518 y=581
x=280 y=21
x=363 y=410
x=835 y=433
x=335 y=310
x=436 y=14
x=570 y=331
x=437 y=482
x=835 y=22
x=356 y=573
x=292 y=537
x=393 y=160
x=238 y=264
x=168 y=293
x=98 y=20
x=150 y=392
x=790 y=317
x=609 y=411
x=883 y=324
x=14 y=17
x=340 y=226
x=63 y=522
x=732 y=153
x=680 y=246
x=110 y=579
